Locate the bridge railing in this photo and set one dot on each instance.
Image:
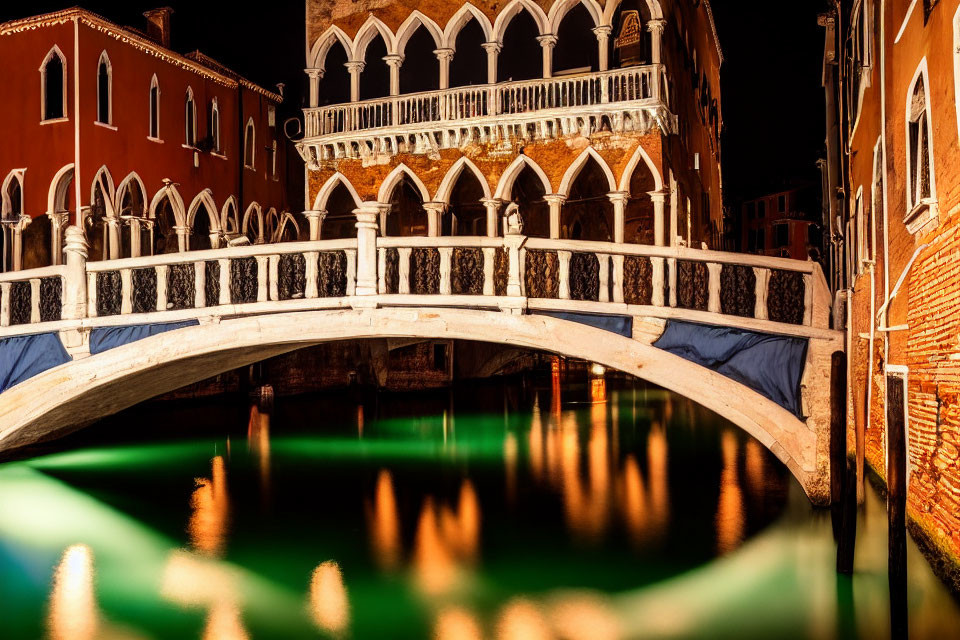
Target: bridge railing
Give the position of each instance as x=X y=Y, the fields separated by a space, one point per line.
x=514 y=273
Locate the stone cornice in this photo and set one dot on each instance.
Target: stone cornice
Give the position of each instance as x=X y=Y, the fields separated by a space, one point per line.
x=139 y=42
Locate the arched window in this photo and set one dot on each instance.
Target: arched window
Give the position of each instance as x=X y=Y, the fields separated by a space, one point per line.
x=469 y=64
x=858 y=60
x=528 y=192
x=421 y=68
x=53 y=85
x=407 y=216
x=214 y=125
x=588 y=213
x=13 y=197
x=576 y=48
x=154 y=108
x=249 y=145
x=522 y=55
x=375 y=78
x=190 y=110
x=104 y=90
x=467 y=215
x=920 y=190
x=340 y=221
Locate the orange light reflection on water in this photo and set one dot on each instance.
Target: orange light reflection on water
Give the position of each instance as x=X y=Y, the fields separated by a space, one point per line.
x=730 y=517
x=73 y=613
x=329 y=603
x=210 y=505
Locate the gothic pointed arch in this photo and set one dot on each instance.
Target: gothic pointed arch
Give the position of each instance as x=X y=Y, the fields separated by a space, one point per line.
x=131 y=197
x=511 y=10
x=395 y=177
x=366 y=34
x=53 y=85
x=59 y=198
x=229 y=218
x=460 y=19
x=577 y=165
x=652 y=6
x=323 y=196
x=323 y=44
x=167 y=212
x=505 y=186
x=104 y=89
x=253 y=223
x=414 y=21
x=449 y=180
x=560 y=8
x=204 y=198
x=640 y=155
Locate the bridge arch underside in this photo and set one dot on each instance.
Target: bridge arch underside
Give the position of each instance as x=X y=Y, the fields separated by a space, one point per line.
x=73 y=395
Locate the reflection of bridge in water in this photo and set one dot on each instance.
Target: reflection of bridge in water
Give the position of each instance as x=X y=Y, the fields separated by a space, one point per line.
x=90 y=339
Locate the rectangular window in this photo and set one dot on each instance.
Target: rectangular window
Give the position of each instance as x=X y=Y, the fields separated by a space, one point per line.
x=751 y=210
x=781 y=204
x=782 y=236
x=751 y=240
x=762 y=209
x=761 y=239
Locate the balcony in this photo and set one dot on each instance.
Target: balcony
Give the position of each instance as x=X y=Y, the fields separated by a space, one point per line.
x=631 y=99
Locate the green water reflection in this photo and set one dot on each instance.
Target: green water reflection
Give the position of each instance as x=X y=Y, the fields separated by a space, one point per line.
x=531 y=510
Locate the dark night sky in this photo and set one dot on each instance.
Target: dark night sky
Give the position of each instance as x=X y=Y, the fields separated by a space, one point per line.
x=772 y=100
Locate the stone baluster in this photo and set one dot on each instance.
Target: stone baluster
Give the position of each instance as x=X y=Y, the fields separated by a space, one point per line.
x=199 y=284
x=489 y=262
x=126 y=291
x=5 y=304
x=656 y=298
x=225 y=297
x=113 y=237
x=604 y=260
x=672 y=279
x=75 y=279
x=618 y=278
x=351 y=271
x=446 y=259
x=311 y=274
x=563 y=257
x=714 y=269
x=382 y=270
x=263 y=265
x=134 y=224
x=763 y=281
x=403 y=269
x=274 y=277
x=34 y=300
x=808 y=299
x=162 y=271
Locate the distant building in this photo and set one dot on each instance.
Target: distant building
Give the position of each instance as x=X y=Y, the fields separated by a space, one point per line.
x=147 y=150
x=602 y=121
x=782 y=224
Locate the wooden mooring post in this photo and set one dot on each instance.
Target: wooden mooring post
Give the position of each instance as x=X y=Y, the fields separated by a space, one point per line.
x=838 y=435
x=897 y=503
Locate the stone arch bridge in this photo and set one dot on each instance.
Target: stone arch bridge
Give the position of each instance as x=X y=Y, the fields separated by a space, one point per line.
x=84 y=340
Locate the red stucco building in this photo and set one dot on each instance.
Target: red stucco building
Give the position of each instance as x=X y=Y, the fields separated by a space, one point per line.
x=163 y=152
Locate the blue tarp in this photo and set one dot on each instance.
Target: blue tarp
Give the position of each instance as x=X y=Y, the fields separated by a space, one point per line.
x=769 y=364
x=621 y=325
x=106 y=338
x=23 y=357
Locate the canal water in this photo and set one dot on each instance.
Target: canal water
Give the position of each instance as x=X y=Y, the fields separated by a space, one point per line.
x=535 y=508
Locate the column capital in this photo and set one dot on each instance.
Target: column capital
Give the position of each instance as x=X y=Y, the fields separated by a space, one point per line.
x=315 y=213
x=658 y=196
x=619 y=197
x=491 y=202
x=444 y=54
x=316 y=72
x=182 y=230
x=493 y=46
x=656 y=25
x=603 y=31
x=435 y=206
x=355 y=66
x=59 y=219
x=547 y=40
x=555 y=198
x=393 y=60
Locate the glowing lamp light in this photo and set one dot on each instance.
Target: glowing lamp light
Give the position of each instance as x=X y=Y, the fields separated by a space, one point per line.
x=597 y=369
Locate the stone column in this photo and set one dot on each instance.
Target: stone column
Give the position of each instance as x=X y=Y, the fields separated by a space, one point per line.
x=135 y=238
x=492 y=205
x=183 y=238
x=367 y=216
x=315 y=220
x=435 y=212
x=493 y=51
x=75 y=280
x=113 y=237
x=655 y=27
x=603 y=36
x=619 y=200
x=444 y=56
x=394 y=61
x=315 y=76
x=355 y=67
x=547 y=41
x=674 y=197
x=57 y=223
x=659 y=199
x=555 y=200
x=16 y=236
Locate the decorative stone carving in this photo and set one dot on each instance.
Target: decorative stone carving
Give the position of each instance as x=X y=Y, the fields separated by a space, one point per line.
x=109 y=293
x=542 y=276
x=211 y=283
x=332 y=274
x=243 y=280
x=181 y=286
x=292 y=276
x=425 y=271
x=392 y=270
x=20 y=303
x=584 y=277
x=693 y=285
x=785 y=295
x=144 y=284
x=738 y=290
x=467 y=271
x=637 y=280
x=501 y=271
x=51 y=299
